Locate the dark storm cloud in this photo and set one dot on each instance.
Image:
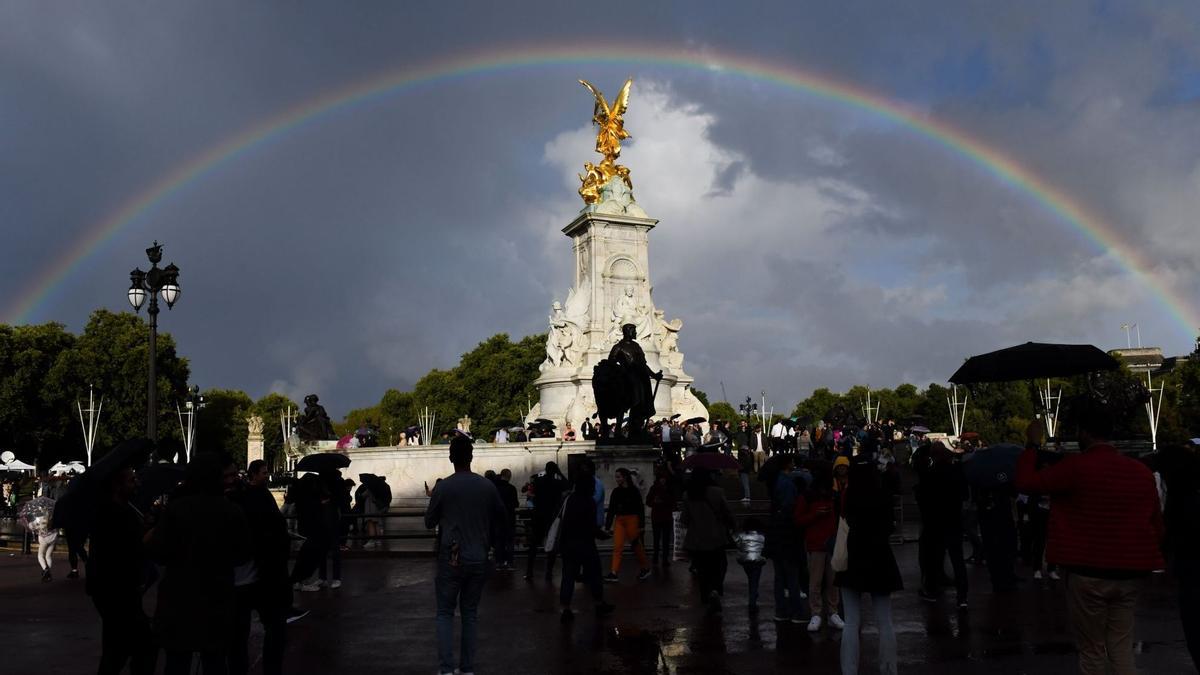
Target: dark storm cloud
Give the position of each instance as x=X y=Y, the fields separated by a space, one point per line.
x=357 y=252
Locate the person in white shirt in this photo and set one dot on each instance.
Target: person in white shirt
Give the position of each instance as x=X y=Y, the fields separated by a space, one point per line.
x=502 y=436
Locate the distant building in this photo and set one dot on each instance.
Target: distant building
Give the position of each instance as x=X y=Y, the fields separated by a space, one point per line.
x=1148 y=360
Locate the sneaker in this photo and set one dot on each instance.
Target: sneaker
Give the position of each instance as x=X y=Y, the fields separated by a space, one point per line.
x=1054 y=576
x=46 y=575
x=803 y=595
x=926 y=595
x=336 y=583
x=294 y=614
x=73 y=575
x=814 y=624
x=611 y=578
x=644 y=574
x=780 y=618
x=797 y=620
x=309 y=588
x=962 y=603
x=836 y=621
x=1037 y=575
x=746 y=502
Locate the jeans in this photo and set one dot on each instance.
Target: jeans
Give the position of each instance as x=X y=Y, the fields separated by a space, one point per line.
x=882 y=602
x=125 y=634
x=664 y=541
x=711 y=567
x=252 y=598
x=753 y=575
x=787 y=578
x=460 y=587
x=999 y=541
x=820 y=583
x=1102 y=622
x=935 y=544
x=745 y=485
x=334 y=552
x=580 y=561
x=309 y=559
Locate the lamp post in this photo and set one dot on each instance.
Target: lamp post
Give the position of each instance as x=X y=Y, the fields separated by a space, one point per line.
x=158 y=281
x=748 y=409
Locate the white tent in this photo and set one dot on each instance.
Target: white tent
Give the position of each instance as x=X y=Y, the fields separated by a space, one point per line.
x=16 y=465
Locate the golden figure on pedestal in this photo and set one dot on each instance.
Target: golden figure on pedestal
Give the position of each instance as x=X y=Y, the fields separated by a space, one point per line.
x=611 y=121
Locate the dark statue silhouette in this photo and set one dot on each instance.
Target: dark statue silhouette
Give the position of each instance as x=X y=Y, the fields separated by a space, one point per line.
x=621 y=384
x=314 y=424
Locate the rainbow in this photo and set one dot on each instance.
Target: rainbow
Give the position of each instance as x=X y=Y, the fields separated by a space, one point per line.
x=957 y=143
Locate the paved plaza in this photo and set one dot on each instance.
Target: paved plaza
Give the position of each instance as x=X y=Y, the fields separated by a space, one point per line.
x=381 y=621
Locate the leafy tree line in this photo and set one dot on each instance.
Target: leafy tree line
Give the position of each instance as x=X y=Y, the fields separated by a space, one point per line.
x=44 y=370
x=492 y=384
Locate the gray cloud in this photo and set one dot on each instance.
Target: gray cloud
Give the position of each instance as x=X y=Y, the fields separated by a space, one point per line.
x=803 y=243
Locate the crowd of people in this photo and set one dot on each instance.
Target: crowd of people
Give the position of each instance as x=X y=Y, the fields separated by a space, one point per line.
x=219 y=547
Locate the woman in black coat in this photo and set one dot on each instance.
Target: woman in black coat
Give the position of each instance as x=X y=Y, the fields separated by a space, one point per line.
x=870 y=565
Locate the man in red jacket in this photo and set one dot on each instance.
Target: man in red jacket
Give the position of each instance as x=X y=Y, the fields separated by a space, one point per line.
x=1105 y=530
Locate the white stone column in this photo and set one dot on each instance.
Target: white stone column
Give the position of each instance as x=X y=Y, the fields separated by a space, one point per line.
x=254 y=438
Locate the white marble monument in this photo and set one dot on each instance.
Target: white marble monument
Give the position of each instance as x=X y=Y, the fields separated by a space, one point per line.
x=610 y=239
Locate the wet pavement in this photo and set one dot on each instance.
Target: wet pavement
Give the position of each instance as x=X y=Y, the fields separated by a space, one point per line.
x=381 y=621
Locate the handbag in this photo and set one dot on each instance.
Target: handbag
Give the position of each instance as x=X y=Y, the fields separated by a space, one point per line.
x=840 y=560
x=551 y=543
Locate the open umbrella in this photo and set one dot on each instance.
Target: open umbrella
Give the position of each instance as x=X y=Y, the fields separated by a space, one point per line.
x=323 y=461
x=695 y=420
x=1033 y=360
x=381 y=492
x=155 y=481
x=713 y=461
x=676 y=416
x=75 y=510
x=993 y=466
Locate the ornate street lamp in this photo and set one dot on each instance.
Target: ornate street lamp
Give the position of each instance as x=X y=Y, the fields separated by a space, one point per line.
x=150 y=285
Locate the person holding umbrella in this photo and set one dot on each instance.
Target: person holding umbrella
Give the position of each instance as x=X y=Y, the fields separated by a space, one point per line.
x=1106 y=529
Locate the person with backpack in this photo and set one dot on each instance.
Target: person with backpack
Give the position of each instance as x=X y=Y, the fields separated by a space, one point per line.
x=548 y=489
x=575 y=539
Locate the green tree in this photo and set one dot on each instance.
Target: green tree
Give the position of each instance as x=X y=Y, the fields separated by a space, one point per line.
x=111 y=354
x=816 y=406
x=701 y=396
x=721 y=410
x=221 y=423
x=35 y=414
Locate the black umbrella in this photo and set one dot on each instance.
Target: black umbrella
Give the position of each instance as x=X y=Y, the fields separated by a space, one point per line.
x=676 y=416
x=76 y=509
x=714 y=461
x=994 y=466
x=323 y=461
x=409 y=431
x=695 y=420
x=1033 y=360
x=155 y=481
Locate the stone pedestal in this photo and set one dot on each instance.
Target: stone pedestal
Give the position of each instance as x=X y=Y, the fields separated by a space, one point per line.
x=254 y=439
x=611 y=288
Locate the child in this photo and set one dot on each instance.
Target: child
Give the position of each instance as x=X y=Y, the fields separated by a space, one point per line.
x=750 y=556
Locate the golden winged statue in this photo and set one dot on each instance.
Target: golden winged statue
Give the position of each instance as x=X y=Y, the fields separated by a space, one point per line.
x=611 y=121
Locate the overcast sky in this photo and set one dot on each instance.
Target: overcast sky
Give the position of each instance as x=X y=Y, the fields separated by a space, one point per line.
x=804 y=243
